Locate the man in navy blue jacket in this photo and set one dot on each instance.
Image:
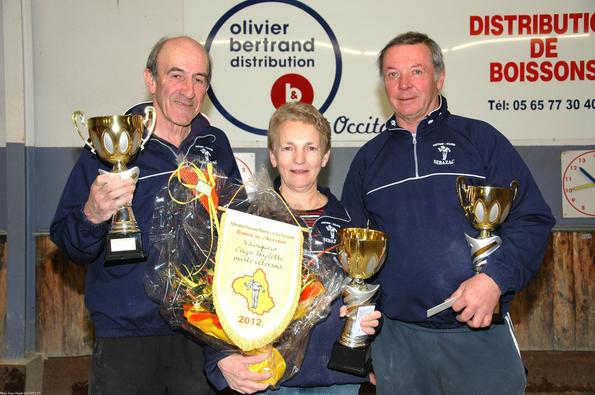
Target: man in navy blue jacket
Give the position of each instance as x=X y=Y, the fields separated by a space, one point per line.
x=403 y=182
x=135 y=352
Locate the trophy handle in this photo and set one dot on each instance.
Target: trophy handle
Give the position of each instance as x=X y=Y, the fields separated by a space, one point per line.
x=514 y=185
x=149 y=122
x=79 y=116
x=460 y=188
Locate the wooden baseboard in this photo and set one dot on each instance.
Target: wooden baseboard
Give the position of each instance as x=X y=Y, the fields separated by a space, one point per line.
x=22 y=376
x=549 y=373
x=560 y=371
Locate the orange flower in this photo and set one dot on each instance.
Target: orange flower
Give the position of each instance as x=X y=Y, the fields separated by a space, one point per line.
x=310 y=291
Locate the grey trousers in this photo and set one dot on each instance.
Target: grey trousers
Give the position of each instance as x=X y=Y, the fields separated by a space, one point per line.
x=409 y=359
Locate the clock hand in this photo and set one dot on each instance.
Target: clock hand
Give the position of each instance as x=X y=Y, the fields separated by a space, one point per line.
x=590 y=177
x=584 y=186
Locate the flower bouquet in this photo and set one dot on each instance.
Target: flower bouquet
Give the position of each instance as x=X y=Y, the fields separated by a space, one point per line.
x=188 y=231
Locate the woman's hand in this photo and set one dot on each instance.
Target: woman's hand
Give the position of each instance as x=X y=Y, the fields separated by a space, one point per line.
x=239 y=377
x=368 y=321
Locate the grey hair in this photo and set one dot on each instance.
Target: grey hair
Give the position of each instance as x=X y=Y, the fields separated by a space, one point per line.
x=154 y=54
x=411 y=38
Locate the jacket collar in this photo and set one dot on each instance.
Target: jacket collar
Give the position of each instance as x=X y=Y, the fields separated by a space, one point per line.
x=333 y=209
x=197 y=127
x=434 y=117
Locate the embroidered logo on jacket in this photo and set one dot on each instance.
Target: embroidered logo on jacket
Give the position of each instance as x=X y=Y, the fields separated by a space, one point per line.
x=332 y=231
x=206 y=152
x=444 y=150
x=329 y=231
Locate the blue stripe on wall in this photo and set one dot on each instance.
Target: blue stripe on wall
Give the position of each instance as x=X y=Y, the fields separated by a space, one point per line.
x=3 y=188
x=52 y=167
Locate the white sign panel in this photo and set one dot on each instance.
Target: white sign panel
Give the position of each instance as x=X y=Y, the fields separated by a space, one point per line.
x=526 y=67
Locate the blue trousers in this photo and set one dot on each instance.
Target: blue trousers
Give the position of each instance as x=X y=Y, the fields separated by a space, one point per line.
x=409 y=359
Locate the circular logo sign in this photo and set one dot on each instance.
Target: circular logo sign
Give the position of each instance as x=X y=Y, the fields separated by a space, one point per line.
x=291 y=88
x=271 y=52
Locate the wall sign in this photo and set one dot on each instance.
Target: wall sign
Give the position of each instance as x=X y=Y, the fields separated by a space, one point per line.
x=273 y=51
x=525 y=67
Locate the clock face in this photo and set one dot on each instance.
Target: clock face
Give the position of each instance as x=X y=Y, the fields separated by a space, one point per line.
x=578 y=184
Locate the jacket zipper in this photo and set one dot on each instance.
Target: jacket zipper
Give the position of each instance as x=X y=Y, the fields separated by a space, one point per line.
x=415 y=154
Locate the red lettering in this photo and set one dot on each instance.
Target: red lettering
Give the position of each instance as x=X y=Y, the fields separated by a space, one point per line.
x=495 y=72
x=577 y=69
x=532 y=24
x=541 y=47
x=591 y=70
x=532 y=71
x=546 y=71
x=510 y=20
x=497 y=27
x=524 y=24
x=511 y=71
x=475 y=25
x=561 y=71
x=545 y=24
x=543 y=71
x=574 y=18
x=551 y=47
x=560 y=29
x=537 y=48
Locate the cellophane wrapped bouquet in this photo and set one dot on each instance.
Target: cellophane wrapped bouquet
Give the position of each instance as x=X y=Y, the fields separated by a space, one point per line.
x=185 y=234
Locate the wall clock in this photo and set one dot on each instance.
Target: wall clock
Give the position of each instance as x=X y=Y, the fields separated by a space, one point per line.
x=578 y=184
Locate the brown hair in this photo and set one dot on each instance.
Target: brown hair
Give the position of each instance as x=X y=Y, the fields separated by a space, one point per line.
x=412 y=38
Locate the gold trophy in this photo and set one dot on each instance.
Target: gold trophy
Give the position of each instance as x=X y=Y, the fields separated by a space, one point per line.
x=116 y=139
x=361 y=252
x=486 y=208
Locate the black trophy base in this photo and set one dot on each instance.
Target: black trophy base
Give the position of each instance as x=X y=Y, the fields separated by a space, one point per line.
x=124 y=248
x=356 y=361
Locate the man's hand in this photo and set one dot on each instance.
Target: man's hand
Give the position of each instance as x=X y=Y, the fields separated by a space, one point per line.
x=108 y=193
x=368 y=321
x=238 y=377
x=476 y=300
x=372 y=378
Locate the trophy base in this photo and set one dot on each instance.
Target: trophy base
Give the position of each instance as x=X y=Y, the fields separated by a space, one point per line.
x=124 y=248
x=356 y=361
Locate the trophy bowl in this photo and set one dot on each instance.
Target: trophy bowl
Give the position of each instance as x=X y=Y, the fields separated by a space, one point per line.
x=116 y=139
x=486 y=208
x=361 y=252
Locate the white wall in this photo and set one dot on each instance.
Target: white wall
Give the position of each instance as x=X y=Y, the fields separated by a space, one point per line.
x=2 y=92
x=62 y=55
x=13 y=73
x=90 y=55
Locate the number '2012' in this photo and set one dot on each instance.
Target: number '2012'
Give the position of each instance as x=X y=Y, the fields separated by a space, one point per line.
x=250 y=321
